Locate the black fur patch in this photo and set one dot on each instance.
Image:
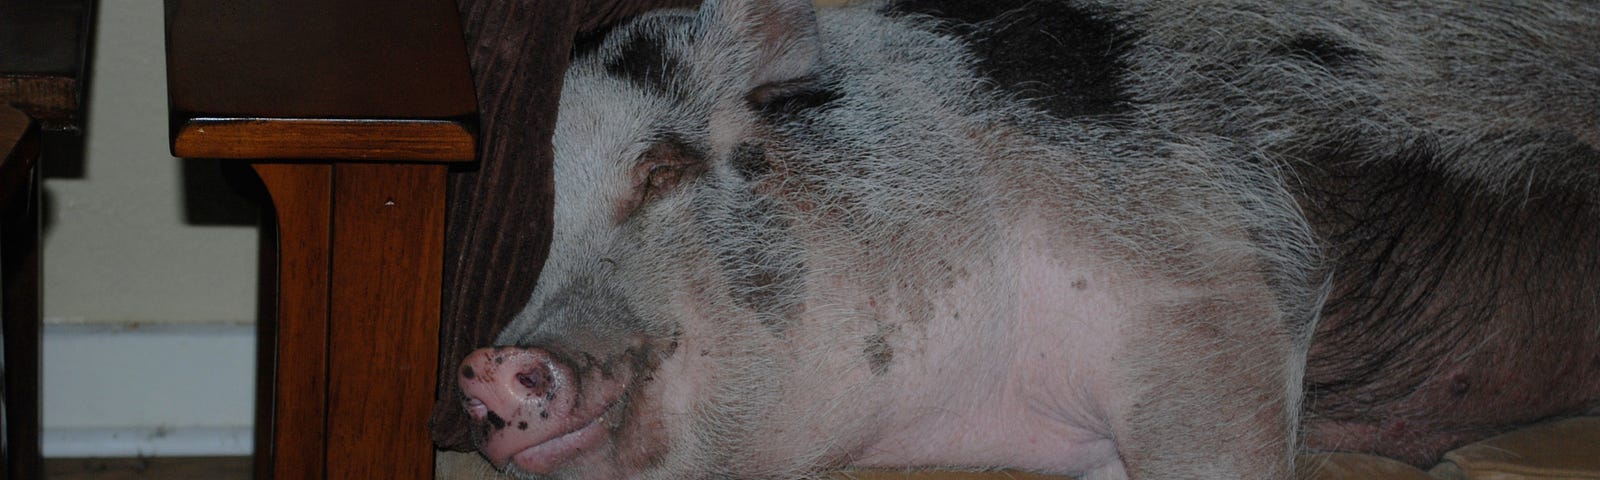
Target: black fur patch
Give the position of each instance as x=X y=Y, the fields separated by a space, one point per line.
x=1327 y=52
x=645 y=61
x=589 y=43
x=766 y=283
x=750 y=236
x=1063 y=58
x=878 y=352
x=750 y=161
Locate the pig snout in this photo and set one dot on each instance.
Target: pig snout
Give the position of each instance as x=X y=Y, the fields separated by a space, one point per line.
x=533 y=408
x=500 y=380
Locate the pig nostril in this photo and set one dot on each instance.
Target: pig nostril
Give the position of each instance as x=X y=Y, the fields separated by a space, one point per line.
x=528 y=380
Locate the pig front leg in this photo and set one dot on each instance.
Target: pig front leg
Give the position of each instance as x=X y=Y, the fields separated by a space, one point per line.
x=1216 y=393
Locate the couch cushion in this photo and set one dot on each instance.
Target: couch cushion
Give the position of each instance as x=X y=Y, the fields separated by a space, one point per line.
x=1353 y=466
x=1567 y=449
x=932 y=475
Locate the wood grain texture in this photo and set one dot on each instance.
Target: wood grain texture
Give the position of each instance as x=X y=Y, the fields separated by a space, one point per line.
x=18 y=147
x=276 y=138
x=52 y=97
x=19 y=290
x=302 y=198
x=499 y=214
x=43 y=48
x=388 y=242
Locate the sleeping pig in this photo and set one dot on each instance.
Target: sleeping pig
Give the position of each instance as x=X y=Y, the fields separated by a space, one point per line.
x=1143 y=239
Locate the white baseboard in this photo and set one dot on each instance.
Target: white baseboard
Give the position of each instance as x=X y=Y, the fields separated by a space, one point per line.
x=165 y=389
x=146 y=442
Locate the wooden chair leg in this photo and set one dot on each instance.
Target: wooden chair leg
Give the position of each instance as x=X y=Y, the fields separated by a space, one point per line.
x=355 y=337
x=291 y=425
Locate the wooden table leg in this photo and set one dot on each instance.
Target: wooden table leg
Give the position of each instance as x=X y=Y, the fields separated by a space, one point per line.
x=360 y=254
x=388 y=255
x=292 y=445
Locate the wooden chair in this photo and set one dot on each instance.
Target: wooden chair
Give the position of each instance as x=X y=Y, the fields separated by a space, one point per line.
x=43 y=47
x=351 y=112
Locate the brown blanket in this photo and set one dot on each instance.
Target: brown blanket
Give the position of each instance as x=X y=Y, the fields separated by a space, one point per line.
x=499 y=213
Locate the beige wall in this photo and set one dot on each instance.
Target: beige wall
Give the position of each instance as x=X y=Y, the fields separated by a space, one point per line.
x=118 y=249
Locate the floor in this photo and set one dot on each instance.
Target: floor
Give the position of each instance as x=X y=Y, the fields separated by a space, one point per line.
x=162 y=468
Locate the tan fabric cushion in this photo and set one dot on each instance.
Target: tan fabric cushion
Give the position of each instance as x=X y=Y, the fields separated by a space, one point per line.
x=1567 y=449
x=448 y=465
x=881 y=475
x=1353 y=466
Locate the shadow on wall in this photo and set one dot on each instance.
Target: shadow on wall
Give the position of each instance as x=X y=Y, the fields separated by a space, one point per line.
x=220 y=193
x=62 y=154
x=215 y=193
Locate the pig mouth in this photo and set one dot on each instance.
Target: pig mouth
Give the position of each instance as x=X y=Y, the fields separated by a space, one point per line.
x=531 y=442
x=545 y=456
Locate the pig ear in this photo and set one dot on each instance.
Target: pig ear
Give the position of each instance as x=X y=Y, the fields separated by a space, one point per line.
x=767 y=41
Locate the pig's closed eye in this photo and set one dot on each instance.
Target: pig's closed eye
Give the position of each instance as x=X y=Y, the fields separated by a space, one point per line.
x=662 y=168
x=662 y=178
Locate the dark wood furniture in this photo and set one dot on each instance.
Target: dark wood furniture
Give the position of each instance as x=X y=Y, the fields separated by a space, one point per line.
x=44 y=45
x=43 y=53
x=19 y=287
x=350 y=111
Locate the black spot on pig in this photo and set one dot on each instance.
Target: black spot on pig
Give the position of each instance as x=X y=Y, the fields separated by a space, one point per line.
x=764 y=279
x=750 y=236
x=750 y=161
x=496 y=421
x=878 y=352
x=1329 y=53
x=644 y=61
x=544 y=414
x=466 y=371
x=522 y=425
x=1063 y=58
x=643 y=57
